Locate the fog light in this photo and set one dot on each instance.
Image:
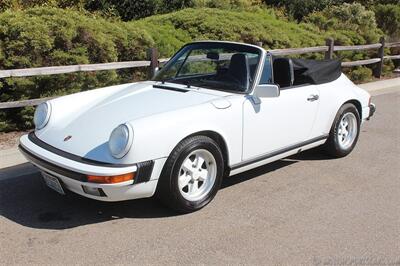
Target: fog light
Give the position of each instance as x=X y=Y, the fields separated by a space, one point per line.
x=94 y=191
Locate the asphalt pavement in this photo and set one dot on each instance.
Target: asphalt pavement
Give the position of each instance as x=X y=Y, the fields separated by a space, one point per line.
x=307 y=209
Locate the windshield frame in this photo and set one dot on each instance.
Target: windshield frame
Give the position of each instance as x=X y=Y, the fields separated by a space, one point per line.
x=233 y=45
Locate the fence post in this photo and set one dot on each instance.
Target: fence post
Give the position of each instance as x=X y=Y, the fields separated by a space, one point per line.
x=381 y=54
x=330 y=43
x=152 y=56
x=259 y=44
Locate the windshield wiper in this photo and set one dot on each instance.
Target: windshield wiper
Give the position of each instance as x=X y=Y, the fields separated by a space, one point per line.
x=164 y=87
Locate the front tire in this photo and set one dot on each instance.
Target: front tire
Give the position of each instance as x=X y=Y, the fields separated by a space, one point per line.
x=192 y=174
x=344 y=133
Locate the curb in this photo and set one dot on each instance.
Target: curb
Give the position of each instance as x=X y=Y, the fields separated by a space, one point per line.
x=381 y=86
x=11 y=157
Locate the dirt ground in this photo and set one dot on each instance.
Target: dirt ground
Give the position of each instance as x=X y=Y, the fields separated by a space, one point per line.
x=10 y=139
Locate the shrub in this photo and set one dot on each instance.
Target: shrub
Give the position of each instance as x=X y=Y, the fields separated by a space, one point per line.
x=360 y=74
x=350 y=24
x=129 y=10
x=388 y=19
x=24 y=4
x=298 y=9
x=369 y=3
x=353 y=22
x=226 y=4
x=233 y=25
x=126 y=9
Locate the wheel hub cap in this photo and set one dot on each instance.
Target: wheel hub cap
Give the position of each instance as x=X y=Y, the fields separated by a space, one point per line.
x=197 y=175
x=347 y=130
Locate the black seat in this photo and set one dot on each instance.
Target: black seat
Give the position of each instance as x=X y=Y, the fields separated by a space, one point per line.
x=283 y=72
x=239 y=70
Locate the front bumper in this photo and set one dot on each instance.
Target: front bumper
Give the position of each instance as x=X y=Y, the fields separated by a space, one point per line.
x=72 y=173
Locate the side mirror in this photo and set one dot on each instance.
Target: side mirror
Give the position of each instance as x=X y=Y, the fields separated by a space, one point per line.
x=267 y=90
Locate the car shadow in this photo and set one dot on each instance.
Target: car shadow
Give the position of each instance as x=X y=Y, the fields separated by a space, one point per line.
x=315 y=154
x=25 y=199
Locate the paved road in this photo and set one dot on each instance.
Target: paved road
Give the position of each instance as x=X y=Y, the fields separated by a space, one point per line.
x=307 y=209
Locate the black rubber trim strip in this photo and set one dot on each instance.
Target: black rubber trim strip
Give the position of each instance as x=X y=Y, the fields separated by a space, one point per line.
x=52 y=167
x=169 y=88
x=275 y=153
x=32 y=137
x=143 y=173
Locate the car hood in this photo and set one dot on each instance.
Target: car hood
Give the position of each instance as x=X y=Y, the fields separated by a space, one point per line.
x=81 y=123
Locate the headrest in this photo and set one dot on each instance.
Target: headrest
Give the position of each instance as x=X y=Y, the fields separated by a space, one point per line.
x=283 y=71
x=240 y=70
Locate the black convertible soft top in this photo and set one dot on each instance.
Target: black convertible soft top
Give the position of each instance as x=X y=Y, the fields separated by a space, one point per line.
x=315 y=71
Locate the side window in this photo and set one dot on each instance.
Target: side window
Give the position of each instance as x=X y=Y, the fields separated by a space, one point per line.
x=266 y=76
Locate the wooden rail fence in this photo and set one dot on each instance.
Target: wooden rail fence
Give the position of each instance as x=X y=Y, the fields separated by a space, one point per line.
x=153 y=62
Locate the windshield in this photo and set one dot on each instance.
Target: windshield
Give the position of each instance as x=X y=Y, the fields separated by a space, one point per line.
x=219 y=66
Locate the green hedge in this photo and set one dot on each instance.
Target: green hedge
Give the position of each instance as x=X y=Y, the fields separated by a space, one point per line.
x=127 y=9
x=247 y=26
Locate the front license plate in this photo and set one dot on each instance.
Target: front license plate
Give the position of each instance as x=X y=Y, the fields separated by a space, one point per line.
x=53 y=183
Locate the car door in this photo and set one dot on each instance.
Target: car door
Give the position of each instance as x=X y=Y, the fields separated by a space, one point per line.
x=273 y=124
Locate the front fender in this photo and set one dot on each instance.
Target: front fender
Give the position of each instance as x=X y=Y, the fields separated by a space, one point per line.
x=157 y=135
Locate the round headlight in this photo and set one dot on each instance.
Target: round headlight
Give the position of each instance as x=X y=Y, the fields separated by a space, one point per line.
x=120 y=141
x=42 y=115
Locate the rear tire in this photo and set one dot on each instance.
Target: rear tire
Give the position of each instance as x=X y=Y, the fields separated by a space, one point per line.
x=192 y=174
x=344 y=133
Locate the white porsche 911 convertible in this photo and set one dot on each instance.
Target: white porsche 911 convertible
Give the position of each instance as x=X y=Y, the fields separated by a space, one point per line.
x=215 y=109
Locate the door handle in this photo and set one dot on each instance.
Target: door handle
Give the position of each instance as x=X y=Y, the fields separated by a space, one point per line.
x=313 y=97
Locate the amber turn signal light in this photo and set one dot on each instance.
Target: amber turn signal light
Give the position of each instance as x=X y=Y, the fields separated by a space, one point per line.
x=110 y=179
